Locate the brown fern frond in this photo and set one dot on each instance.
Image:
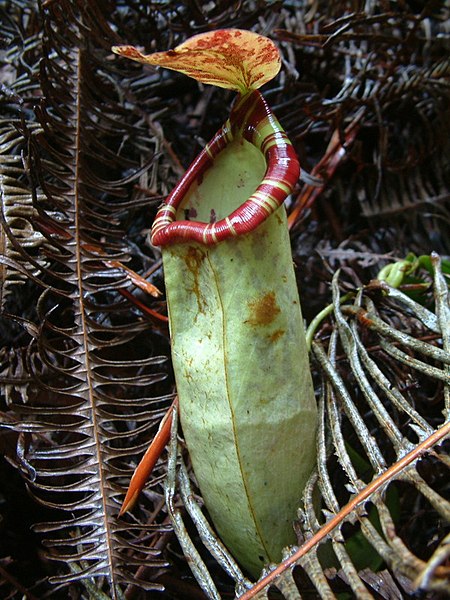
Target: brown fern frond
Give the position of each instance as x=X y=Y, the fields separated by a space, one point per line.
x=95 y=389
x=392 y=70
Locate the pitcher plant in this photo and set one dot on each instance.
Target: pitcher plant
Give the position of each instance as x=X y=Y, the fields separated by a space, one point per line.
x=241 y=365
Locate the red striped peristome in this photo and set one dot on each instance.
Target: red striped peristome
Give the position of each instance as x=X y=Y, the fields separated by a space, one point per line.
x=248 y=116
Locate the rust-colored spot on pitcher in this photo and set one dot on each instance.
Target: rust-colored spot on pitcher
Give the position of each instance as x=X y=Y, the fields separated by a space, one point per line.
x=263 y=310
x=276 y=335
x=193 y=259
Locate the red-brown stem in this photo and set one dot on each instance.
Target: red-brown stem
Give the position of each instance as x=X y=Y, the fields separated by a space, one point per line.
x=153 y=314
x=148 y=461
x=326 y=167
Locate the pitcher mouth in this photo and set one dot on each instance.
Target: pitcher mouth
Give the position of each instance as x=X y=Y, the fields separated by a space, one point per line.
x=252 y=120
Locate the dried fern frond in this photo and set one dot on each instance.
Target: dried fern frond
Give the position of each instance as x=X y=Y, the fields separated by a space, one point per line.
x=97 y=391
x=387 y=406
x=391 y=69
x=17 y=211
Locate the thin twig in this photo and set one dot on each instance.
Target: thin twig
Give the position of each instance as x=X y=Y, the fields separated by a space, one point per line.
x=371 y=488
